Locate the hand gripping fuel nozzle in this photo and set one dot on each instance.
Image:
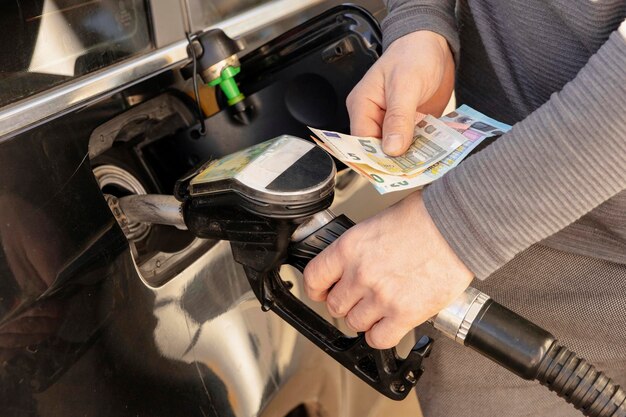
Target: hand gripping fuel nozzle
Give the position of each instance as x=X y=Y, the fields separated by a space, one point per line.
x=270 y=201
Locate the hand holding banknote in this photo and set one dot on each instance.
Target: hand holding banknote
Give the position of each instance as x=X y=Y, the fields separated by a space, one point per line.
x=416 y=73
x=438 y=146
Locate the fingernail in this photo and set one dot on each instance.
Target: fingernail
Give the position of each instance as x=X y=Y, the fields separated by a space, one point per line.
x=392 y=144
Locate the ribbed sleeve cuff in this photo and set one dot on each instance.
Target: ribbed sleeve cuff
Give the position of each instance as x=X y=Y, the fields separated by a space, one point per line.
x=408 y=19
x=555 y=166
x=447 y=209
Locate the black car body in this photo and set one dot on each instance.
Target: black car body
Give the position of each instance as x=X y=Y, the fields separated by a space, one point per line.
x=96 y=99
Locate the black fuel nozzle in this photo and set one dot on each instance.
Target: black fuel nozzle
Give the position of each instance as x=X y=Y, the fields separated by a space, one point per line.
x=264 y=200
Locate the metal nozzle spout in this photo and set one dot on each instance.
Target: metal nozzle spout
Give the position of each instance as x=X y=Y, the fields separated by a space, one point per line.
x=154 y=209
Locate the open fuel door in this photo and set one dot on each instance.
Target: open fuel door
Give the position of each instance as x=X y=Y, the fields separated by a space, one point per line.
x=301 y=78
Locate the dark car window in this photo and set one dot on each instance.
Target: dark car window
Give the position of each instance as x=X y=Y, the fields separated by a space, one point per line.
x=46 y=42
x=205 y=13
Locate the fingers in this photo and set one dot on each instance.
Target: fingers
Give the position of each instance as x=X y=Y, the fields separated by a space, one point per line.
x=438 y=102
x=402 y=99
x=366 y=104
x=386 y=334
x=363 y=316
x=343 y=297
x=322 y=272
x=366 y=117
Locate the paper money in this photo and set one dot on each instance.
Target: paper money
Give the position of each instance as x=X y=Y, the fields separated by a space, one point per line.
x=382 y=181
x=470 y=125
x=432 y=141
x=465 y=118
x=475 y=127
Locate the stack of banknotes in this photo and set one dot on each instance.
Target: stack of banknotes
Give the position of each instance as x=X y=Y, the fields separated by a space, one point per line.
x=438 y=146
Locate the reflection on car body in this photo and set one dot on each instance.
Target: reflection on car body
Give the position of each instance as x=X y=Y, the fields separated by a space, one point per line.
x=96 y=322
x=57 y=40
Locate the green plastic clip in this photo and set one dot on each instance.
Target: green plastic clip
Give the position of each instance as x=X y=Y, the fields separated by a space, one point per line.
x=227 y=83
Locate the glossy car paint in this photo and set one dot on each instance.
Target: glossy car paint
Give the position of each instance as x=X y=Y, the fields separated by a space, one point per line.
x=82 y=334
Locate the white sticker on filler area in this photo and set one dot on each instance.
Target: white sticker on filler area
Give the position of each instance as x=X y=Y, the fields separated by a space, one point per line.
x=273 y=162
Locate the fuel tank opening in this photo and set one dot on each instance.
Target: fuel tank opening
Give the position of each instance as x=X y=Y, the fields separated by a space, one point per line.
x=117 y=153
x=160 y=252
x=116 y=182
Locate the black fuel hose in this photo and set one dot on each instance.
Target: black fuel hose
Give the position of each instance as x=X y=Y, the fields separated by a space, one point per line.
x=534 y=354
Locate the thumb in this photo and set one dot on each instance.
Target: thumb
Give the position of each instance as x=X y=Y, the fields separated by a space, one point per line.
x=402 y=99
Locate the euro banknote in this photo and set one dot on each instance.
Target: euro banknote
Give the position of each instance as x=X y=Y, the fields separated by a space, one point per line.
x=470 y=125
x=432 y=141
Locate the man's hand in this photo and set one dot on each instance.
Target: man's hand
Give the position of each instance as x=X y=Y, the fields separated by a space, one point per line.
x=416 y=73
x=388 y=274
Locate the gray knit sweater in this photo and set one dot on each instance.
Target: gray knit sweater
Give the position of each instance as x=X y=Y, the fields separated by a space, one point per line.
x=557 y=69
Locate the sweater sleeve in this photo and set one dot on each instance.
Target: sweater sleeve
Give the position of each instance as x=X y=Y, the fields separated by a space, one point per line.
x=407 y=16
x=553 y=167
